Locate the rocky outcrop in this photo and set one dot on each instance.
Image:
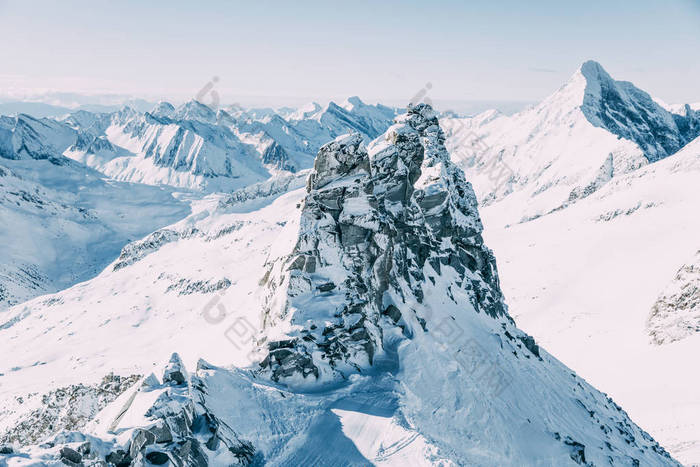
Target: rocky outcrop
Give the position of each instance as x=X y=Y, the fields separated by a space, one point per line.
x=275 y=156
x=180 y=427
x=66 y=408
x=268 y=189
x=676 y=313
x=177 y=427
x=375 y=228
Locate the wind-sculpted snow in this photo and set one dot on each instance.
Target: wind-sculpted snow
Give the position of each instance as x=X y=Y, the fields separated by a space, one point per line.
x=584 y=281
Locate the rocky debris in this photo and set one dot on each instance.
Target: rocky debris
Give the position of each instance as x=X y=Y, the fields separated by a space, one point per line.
x=6 y=449
x=66 y=408
x=275 y=186
x=189 y=286
x=676 y=313
x=372 y=224
x=161 y=432
x=139 y=440
x=610 y=215
x=530 y=344
x=118 y=458
x=578 y=450
x=85 y=449
x=135 y=251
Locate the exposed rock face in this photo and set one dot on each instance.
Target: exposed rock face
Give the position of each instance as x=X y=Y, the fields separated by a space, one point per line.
x=175 y=371
x=67 y=408
x=180 y=427
x=274 y=155
x=676 y=313
x=25 y=137
x=375 y=227
x=267 y=189
x=631 y=113
x=177 y=427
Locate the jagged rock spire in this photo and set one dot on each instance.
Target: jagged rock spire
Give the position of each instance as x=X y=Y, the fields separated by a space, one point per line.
x=372 y=224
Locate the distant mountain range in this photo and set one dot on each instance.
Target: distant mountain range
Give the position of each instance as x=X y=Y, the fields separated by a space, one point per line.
x=192 y=146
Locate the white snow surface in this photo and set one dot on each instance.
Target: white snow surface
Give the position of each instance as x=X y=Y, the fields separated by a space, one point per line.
x=66 y=222
x=583 y=282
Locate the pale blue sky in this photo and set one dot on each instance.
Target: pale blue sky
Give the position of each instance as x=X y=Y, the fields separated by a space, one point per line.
x=322 y=49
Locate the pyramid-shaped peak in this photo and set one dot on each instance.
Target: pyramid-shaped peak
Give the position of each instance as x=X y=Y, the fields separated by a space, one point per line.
x=195 y=110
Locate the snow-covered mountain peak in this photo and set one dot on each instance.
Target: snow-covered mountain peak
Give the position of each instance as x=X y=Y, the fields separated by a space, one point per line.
x=163 y=109
x=306 y=111
x=570 y=144
x=633 y=114
x=352 y=102
x=195 y=110
x=594 y=71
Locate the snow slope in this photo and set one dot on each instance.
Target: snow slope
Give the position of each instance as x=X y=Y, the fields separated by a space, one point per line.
x=65 y=223
x=450 y=379
x=585 y=279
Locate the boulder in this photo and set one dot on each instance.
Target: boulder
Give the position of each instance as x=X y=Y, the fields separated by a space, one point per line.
x=140 y=438
x=157 y=457
x=119 y=458
x=70 y=456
